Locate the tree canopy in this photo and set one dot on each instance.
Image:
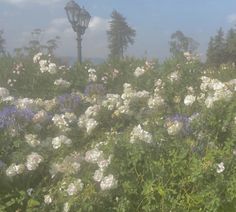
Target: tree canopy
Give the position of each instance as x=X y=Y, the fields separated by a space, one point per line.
x=120 y=35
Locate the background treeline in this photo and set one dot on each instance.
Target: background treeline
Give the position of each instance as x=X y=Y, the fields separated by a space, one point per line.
x=221 y=47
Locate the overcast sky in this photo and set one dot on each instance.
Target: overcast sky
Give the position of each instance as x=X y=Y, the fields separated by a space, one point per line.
x=153 y=20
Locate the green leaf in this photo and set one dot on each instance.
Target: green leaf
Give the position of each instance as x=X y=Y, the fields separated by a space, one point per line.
x=33 y=203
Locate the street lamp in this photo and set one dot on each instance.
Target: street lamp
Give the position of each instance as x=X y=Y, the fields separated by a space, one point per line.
x=79 y=19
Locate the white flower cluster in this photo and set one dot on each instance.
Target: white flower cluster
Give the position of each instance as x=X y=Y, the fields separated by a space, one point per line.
x=70 y=165
x=92 y=75
x=92 y=111
x=156 y=99
x=37 y=57
x=173 y=127
x=190 y=57
x=14 y=169
x=88 y=123
x=4 y=93
x=62 y=83
x=33 y=161
x=32 y=140
x=47 y=66
x=108 y=182
x=96 y=156
x=47 y=199
x=49 y=104
x=189 y=99
x=40 y=117
x=59 y=140
x=63 y=121
x=174 y=76
x=139 y=134
x=87 y=120
x=220 y=167
x=25 y=103
x=75 y=187
x=139 y=71
x=129 y=95
x=216 y=91
x=112 y=101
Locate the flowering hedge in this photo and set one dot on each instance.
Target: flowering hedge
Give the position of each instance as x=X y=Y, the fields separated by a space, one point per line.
x=132 y=136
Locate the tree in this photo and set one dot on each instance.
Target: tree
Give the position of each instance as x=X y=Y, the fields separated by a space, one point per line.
x=2 y=43
x=120 y=35
x=216 y=52
x=34 y=46
x=180 y=43
x=231 y=46
x=52 y=45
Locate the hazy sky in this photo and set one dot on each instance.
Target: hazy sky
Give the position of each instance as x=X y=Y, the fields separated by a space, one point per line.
x=153 y=20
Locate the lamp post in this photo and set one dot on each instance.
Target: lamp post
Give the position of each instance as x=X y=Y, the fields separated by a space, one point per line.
x=79 y=19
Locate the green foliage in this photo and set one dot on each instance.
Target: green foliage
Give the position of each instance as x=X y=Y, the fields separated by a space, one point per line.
x=120 y=35
x=221 y=48
x=180 y=43
x=175 y=172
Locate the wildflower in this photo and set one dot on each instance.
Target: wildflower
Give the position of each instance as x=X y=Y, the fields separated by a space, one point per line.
x=75 y=187
x=58 y=141
x=43 y=66
x=33 y=161
x=37 y=57
x=14 y=169
x=40 y=117
x=62 y=83
x=139 y=134
x=93 y=155
x=66 y=207
x=47 y=199
x=32 y=140
x=108 y=182
x=174 y=76
x=155 y=101
x=173 y=127
x=98 y=175
x=52 y=68
x=30 y=191
x=220 y=167
x=4 y=92
x=189 y=100
x=139 y=71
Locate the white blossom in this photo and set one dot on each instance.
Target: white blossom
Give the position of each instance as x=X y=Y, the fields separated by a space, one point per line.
x=220 y=167
x=62 y=83
x=58 y=141
x=4 y=92
x=52 y=68
x=75 y=187
x=174 y=127
x=139 y=71
x=47 y=199
x=14 y=169
x=93 y=156
x=189 y=100
x=139 y=134
x=37 y=57
x=108 y=182
x=33 y=161
x=98 y=175
x=32 y=140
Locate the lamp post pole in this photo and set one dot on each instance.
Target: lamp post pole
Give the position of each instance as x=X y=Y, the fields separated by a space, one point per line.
x=79 y=19
x=79 y=46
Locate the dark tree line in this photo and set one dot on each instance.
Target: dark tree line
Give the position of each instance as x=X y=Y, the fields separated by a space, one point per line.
x=222 y=48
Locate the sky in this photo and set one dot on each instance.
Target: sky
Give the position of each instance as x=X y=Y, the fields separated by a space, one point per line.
x=153 y=20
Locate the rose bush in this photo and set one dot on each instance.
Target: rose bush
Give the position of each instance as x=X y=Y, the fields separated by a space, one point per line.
x=131 y=136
